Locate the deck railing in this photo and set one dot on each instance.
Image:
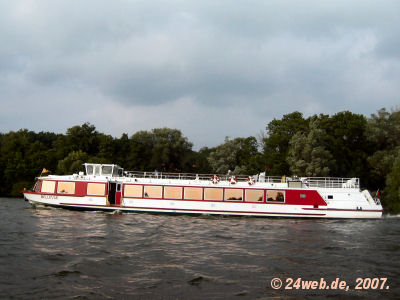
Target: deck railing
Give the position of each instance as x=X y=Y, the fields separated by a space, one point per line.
x=331 y=182
x=321 y=182
x=181 y=176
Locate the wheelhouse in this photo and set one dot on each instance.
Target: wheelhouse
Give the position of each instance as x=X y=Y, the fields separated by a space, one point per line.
x=110 y=170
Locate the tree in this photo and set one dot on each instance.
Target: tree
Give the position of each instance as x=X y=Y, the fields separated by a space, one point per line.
x=391 y=200
x=201 y=163
x=141 y=147
x=307 y=154
x=122 y=149
x=107 y=148
x=239 y=155
x=84 y=138
x=383 y=129
x=276 y=145
x=22 y=155
x=72 y=163
x=383 y=132
x=163 y=149
x=347 y=143
x=171 y=150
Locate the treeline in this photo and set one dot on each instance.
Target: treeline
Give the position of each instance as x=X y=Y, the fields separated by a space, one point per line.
x=341 y=145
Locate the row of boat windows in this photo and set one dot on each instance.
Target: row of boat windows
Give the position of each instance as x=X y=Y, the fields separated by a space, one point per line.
x=168 y=192
x=68 y=187
x=103 y=170
x=200 y=193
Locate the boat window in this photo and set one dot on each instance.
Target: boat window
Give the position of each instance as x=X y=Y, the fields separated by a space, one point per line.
x=106 y=170
x=96 y=189
x=152 y=191
x=89 y=170
x=193 y=193
x=133 y=191
x=233 y=194
x=254 y=195
x=48 y=186
x=38 y=186
x=96 y=170
x=173 y=192
x=275 y=196
x=213 y=194
x=117 y=171
x=330 y=196
x=66 y=187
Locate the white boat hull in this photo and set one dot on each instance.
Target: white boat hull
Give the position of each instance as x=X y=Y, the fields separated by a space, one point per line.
x=104 y=187
x=208 y=208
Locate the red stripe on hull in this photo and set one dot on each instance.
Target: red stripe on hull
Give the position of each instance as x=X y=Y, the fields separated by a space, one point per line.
x=343 y=209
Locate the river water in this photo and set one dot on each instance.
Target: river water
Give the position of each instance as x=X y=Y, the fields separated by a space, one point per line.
x=49 y=253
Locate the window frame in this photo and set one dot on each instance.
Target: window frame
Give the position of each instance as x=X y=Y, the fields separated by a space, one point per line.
x=54 y=188
x=233 y=189
x=61 y=193
x=38 y=186
x=97 y=183
x=274 y=201
x=185 y=188
x=152 y=186
x=215 y=189
x=254 y=201
x=166 y=187
x=138 y=185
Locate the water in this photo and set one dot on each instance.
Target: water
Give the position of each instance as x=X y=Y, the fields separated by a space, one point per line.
x=48 y=253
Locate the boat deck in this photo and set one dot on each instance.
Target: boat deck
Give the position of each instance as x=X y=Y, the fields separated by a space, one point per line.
x=317 y=182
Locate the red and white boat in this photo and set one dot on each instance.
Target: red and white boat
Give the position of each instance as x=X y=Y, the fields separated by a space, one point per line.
x=107 y=187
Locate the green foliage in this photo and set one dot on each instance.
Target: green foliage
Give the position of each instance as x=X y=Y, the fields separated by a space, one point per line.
x=308 y=154
x=201 y=164
x=347 y=144
x=162 y=149
x=276 y=145
x=239 y=155
x=84 y=138
x=383 y=129
x=141 y=145
x=170 y=150
x=383 y=132
x=72 y=163
x=391 y=200
x=19 y=186
x=381 y=163
x=23 y=154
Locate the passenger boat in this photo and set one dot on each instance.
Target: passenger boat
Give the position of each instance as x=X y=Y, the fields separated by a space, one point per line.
x=108 y=187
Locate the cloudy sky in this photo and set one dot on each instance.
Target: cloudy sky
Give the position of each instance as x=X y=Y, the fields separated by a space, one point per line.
x=209 y=68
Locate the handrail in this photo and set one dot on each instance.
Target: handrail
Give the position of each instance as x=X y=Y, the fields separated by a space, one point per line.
x=182 y=176
x=331 y=182
x=322 y=182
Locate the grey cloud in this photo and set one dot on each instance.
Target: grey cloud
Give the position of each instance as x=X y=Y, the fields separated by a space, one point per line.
x=273 y=57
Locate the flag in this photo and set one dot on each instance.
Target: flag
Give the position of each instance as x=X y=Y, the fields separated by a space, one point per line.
x=378 y=194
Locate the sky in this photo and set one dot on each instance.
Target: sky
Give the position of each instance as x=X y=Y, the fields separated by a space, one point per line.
x=208 y=68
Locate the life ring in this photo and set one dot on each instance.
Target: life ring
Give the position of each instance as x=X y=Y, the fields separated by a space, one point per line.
x=232 y=179
x=250 y=180
x=214 y=179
